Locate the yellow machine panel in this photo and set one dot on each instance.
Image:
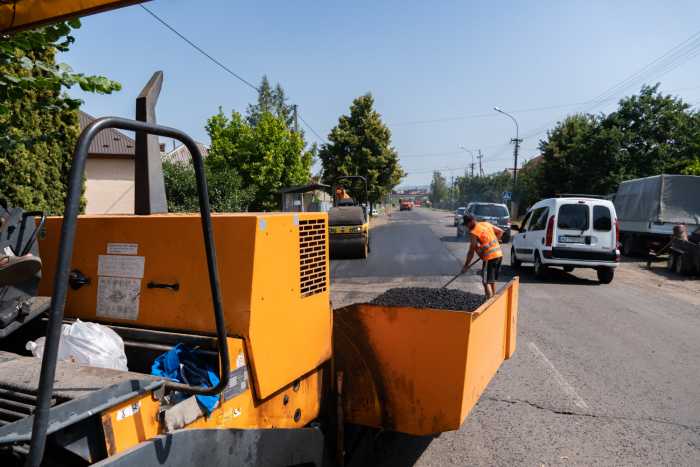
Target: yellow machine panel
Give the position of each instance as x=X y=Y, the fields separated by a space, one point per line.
x=293 y=406
x=420 y=371
x=32 y=14
x=274 y=282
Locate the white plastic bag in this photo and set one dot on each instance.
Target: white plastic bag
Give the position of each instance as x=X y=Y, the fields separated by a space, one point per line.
x=87 y=343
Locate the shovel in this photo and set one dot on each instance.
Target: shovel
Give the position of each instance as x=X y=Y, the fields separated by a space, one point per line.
x=455 y=277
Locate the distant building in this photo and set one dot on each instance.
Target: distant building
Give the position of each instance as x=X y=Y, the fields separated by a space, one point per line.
x=182 y=154
x=109 y=185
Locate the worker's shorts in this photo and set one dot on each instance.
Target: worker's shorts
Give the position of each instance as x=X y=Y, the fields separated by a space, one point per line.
x=490 y=270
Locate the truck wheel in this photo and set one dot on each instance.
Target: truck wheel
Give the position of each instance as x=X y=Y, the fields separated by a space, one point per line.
x=541 y=270
x=671 y=264
x=627 y=245
x=680 y=264
x=515 y=263
x=605 y=275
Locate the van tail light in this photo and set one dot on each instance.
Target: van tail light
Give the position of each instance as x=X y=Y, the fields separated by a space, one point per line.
x=550 y=231
x=617 y=233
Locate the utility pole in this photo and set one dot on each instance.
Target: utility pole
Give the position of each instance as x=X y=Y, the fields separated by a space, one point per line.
x=481 y=171
x=472 y=166
x=296 y=122
x=515 y=169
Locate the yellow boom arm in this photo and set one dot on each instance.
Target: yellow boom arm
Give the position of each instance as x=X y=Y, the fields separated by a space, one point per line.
x=30 y=14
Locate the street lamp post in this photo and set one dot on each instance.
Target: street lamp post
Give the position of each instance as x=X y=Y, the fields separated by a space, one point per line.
x=472 y=157
x=453 y=186
x=517 y=144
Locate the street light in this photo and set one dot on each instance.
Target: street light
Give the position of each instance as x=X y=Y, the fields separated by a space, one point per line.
x=453 y=186
x=472 y=157
x=517 y=142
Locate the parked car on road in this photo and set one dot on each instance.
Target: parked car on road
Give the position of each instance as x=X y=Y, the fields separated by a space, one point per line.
x=572 y=232
x=493 y=213
x=375 y=212
x=458 y=215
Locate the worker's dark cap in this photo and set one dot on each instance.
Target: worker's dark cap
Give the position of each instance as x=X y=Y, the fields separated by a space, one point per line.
x=468 y=217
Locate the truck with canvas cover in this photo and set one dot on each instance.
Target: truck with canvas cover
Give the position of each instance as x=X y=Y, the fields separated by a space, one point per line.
x=348 y=225
x=649 y=208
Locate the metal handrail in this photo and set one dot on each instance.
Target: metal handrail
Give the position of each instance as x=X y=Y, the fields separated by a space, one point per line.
x=65 y=253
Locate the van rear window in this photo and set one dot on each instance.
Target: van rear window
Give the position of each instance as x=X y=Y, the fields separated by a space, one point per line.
x=493 y=210
x=573 y=217
x=601 y=219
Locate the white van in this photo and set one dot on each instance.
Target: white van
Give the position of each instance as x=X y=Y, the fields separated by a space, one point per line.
x=573 y=231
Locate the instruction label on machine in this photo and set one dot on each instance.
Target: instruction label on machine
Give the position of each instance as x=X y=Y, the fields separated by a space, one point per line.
x=122 y=248
x=118 y=297
x=237 y=384
x=121 y=266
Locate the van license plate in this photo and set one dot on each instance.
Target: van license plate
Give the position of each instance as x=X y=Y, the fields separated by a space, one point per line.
x=572 y=240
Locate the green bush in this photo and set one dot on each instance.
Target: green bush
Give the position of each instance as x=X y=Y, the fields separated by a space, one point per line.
x=226 y=192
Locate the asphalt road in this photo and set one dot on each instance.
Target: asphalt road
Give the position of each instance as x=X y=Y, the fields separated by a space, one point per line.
x=605 y=375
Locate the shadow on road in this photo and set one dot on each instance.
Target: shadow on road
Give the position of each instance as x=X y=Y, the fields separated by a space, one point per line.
x=555 y=276
x=405 y=450
x=454 y=239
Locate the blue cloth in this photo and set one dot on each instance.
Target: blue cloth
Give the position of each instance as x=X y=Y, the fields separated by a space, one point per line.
x=181 y=366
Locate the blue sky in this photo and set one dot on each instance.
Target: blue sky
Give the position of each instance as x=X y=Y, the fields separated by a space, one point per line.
x=422 y=61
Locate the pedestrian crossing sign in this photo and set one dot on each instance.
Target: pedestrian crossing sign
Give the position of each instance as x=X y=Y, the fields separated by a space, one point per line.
x=506 y=195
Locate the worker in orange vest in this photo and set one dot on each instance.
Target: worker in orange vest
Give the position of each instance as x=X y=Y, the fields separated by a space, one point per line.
x=484 y=242
x=341 y=193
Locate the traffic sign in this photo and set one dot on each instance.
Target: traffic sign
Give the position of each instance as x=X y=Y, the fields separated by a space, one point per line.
x=441 y=201
x=453 y=200
x=506 y=195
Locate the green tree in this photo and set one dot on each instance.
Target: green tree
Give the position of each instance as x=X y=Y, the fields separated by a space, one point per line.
x=438 y=188
x=226 y=191
x=360 y=145
x=267 y=156
x=272 y=100
x=38 y=126
x=488 y=189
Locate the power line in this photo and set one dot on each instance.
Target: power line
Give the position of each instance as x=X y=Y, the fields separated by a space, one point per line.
x=312 y=130
x=203 y=52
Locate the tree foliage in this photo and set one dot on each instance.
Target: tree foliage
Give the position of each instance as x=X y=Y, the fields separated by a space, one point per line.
x=267 y=156
x=488 y=189
x=360 y=145
x=225 y=187
x=438 y=188
x=38 y=126
x=649 y=134
x=271 y=100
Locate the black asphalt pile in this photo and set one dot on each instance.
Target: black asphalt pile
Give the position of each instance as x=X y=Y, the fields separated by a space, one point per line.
x=436 y=299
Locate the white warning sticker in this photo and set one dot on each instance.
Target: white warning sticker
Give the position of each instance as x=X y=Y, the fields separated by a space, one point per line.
x=118 y=297
x=122 y=248
x=240 y=361
x=128 y=411
x=121 y=266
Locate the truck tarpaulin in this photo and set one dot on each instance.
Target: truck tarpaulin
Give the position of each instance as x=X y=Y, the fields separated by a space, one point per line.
x=662 y=198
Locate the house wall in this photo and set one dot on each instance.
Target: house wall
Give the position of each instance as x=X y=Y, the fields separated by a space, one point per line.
x=109 y=185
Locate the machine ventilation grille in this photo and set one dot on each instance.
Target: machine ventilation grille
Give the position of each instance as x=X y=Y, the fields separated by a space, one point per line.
x=312 y=256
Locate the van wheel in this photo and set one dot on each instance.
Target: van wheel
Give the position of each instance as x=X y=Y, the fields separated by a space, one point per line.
x=515 y=263
x=505 y=238
x=541 y=270
x=568 y=268
x=605 y=275
x=627 y=246
x=671 y=264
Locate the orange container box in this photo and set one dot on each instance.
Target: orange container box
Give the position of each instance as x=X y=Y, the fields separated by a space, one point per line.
x=420 y=371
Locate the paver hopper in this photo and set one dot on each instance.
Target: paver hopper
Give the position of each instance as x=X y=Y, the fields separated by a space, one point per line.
x=420 y=371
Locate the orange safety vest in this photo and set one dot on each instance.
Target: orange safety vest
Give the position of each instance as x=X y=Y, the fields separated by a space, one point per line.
x=488 y=246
